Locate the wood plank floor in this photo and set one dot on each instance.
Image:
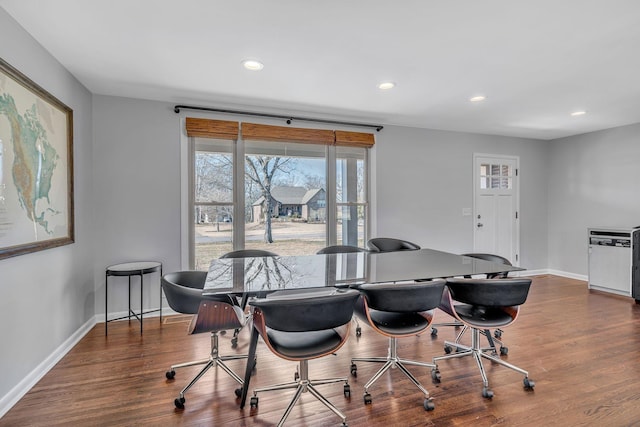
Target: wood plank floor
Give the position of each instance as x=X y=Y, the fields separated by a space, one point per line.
x=582 y=349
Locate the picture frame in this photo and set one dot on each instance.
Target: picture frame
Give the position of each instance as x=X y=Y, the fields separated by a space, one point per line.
x=36 y=167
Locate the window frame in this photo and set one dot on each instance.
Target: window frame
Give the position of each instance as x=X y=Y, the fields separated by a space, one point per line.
x=188 y=152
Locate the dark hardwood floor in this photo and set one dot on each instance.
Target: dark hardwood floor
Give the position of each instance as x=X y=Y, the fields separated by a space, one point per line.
x=582 y=349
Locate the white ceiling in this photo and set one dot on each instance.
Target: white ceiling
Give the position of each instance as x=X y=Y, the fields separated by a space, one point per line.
x=536 y=61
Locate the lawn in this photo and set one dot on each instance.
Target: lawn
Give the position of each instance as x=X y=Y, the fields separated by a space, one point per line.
x=290 y=238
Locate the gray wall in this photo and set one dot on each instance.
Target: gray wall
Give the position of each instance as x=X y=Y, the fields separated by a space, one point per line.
x=47 y=296
x=137 y=187
x=424 y=178
x=593 y=181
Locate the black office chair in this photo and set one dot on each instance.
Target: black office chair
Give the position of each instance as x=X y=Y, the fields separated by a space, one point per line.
x=387 y=244
x=497 y=333
x=245 y=253
x=484 y=304
x=300 y=328
x=398 y=311
x=493 y=258
x=340 y=249
x=344 y=249
x=213 y=314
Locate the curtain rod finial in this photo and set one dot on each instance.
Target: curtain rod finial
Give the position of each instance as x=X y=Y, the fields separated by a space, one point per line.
x=176 y=109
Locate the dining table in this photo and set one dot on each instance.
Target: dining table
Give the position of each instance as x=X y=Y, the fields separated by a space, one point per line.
x=258 y=277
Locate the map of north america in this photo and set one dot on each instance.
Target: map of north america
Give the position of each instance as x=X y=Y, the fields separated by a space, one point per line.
x=34 y=162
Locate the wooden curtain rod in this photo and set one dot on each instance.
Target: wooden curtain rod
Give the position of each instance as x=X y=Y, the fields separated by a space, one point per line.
x=288 y=119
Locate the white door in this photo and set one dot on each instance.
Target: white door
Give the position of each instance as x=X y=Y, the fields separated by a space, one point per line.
x=495 y=207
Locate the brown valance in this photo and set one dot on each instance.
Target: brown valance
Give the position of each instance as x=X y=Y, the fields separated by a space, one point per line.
x=223 y=129
x=252 y=131
x=354 y=139
x=207 y=128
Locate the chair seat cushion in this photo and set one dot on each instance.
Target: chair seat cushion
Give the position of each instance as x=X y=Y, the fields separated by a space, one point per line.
x=394 y=323
x=482 y=317
x=304 y=345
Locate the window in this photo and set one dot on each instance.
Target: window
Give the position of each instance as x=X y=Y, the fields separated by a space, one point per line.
x=496 y=176
x=262 y=191
x=212 y=192
x=351 y=195
x=285 y=197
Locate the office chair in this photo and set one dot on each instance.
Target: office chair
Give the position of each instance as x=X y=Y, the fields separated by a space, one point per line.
x=397 y=311
x=344 y=249
x=213 y=314
x=245 y=253
x=497 y=334
x=387 y=244
x=484 y=304
x=340 y=249
x=300 y=328
x=493 y=258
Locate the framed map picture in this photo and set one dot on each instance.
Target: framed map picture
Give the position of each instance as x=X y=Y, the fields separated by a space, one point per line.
x=36 y=167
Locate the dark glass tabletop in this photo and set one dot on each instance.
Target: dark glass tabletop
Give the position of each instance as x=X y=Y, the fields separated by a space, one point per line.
x=267 y=274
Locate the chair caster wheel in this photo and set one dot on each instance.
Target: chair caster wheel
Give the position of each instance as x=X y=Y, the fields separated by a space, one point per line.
x=529 y=384
x=354 y=370
x=296 y=376
x=497 y=333
x=170 y=374
x=504 y=351
x=234 y=342
x=254 y=402
x=347 y=390
x=367 y=399
x=434 y=332
x=487 y=393
x=179 y=402
x=448 y=349
x=428 y=405
x=238 y=392
x=358 y=331
x=435 y=375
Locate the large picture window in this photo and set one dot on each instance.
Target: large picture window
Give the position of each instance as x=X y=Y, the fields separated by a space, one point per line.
x=292 y=194
x=351 y=196
x=212 y=193
x=285 y=195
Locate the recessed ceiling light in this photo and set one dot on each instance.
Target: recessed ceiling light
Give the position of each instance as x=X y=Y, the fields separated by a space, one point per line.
x=386 y=85
x=478 y=98
x=578 y=113
x=252 y=64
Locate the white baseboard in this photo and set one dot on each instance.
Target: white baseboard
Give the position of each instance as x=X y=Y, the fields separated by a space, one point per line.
x=526 y=273
x=543 y=271
x=569 y=275
x=7 y=401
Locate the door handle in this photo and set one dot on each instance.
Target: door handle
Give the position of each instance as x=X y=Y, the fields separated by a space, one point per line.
x=480 y=224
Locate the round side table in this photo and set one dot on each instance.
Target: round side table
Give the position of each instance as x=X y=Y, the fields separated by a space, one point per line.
x=131 y=269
